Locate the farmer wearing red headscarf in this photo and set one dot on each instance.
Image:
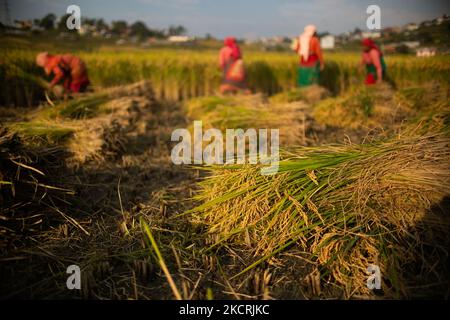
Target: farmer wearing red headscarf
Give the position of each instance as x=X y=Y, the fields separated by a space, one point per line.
x=372 y=58
x=68 y=69
x=230 y=60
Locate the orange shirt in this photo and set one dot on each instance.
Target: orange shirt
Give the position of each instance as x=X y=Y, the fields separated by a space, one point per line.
x=66 y=67
x=315 y=52
x=224 y=56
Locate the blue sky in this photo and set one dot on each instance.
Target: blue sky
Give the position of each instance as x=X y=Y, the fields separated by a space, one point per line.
x=242 y=18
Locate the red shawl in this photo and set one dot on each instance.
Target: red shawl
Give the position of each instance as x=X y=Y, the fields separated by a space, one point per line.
x=370 y=44
x=231 y=43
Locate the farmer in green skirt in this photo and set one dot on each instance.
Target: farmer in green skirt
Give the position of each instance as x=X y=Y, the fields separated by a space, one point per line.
x=372 y=58
x=307 y=45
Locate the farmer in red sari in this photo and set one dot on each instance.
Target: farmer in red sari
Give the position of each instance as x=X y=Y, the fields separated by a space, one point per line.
x=372 y=59
x=230 y=60
x=307 y=45
x=68 y=69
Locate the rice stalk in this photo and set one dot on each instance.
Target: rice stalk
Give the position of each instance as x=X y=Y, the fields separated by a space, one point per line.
x=190 y=74
x=161 y=261
x=343 y=204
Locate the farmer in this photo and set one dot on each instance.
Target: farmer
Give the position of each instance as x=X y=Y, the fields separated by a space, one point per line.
x=372 y=58
x=230 y=60
x=307 y=45
x=69 y=69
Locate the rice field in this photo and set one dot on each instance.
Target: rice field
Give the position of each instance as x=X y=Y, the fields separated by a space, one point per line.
x=364 y=179
x=183 y=74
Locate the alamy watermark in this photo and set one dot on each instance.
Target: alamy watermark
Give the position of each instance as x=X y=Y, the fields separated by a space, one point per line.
x=374 y=279
x=373 y=22
x=73 y=21
x=235 y=147
x=74 y=280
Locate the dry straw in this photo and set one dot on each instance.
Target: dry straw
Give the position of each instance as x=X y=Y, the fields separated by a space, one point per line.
x=349 y=206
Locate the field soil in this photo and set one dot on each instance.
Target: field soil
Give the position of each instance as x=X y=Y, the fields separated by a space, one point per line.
x=114 y=171
x=117 y=166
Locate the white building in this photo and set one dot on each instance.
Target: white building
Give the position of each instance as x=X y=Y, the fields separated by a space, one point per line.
x=180 y=39
x=411 y=27
x=426 y=52
x=327 y=42
x=371 y=35
x=411 y=44
x=86 y=29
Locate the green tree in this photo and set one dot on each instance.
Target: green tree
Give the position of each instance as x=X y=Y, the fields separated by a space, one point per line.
x=119 y=27
x=140 y=30
x=100 y=24
x=177 y=30
x=48 y=22
x=62 y=24
x=402 y=49
x=425 y=37
x=89 y=22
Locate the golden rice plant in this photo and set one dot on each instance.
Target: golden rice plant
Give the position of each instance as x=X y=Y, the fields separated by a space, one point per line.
x=253 y=111
x=348 y=206
x=380 y=106
x=180 y=74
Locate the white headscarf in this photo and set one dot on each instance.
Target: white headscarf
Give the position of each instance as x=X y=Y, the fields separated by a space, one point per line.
x=305 y=39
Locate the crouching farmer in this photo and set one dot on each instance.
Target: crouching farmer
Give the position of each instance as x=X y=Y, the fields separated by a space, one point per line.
x=68 y=69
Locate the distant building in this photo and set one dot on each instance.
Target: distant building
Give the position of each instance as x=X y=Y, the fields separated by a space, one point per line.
x=391 y=30
x=23 y=24
x=426 y=24
x=150 y=41
x=86 y=29
x=134 y=39
x=250 y=41
x=411 y=27
x=371 y=35
x=426 y=52
x=411 y=44
x=272 y=40
x=277 y=40
x=180 y=39
x=355 y=36
x=35 y=28
x=327 y=42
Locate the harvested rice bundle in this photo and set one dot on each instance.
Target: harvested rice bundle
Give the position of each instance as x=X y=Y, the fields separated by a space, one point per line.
x=348 y=206
x=42 y=132
x=362 y=107
x=29 y=193
x=312 y=95
x=381 y=106
x=244 y=112
x=84 y=107
x=92 y=125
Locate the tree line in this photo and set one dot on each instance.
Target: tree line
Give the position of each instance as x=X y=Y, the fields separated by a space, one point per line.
x=119 y=27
